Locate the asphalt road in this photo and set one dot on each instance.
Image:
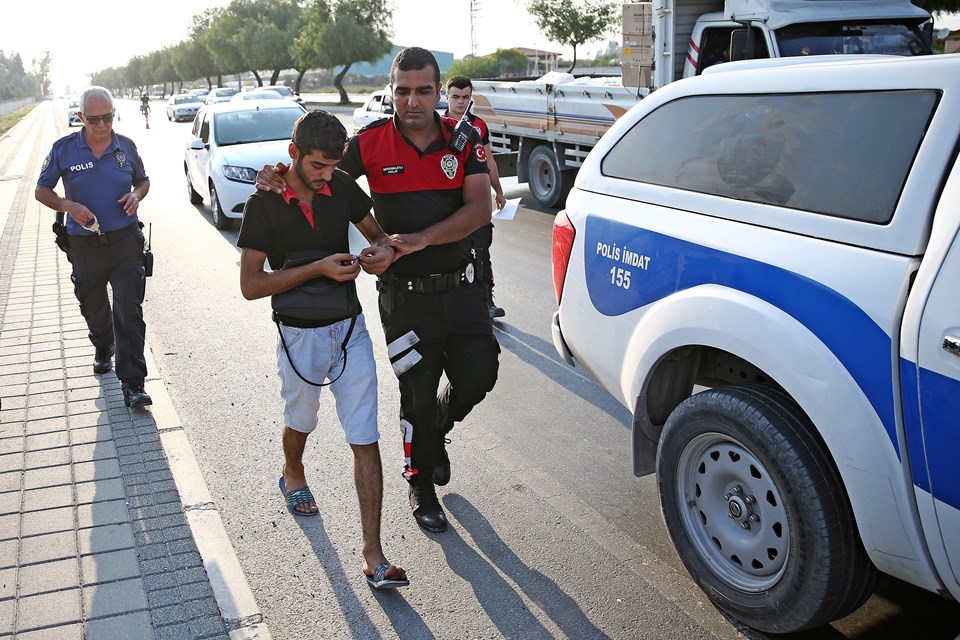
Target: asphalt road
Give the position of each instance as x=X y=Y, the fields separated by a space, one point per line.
x=551 y=535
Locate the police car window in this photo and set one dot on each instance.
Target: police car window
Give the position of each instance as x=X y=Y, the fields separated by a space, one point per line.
x=838 y=154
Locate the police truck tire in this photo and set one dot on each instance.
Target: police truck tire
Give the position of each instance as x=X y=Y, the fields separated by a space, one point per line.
x=548 y=184
x=220 y=221
x=757 y=511
x=195 y=198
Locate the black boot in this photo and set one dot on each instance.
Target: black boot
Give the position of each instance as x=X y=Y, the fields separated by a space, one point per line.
x=101 y=360
x=426 y=507
x=133 y=393
x=441 y=473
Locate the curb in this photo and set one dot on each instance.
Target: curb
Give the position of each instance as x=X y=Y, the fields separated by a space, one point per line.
x=233 y=594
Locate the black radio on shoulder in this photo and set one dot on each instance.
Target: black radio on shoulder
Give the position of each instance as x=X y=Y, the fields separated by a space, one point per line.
x=461 y=135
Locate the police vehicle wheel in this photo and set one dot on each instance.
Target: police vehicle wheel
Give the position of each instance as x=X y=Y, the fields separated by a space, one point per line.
x=220 y=221
x=757 y=512
x=547 y=182
x=195 y=198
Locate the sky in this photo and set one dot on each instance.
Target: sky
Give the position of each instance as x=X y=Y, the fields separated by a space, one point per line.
x=81 y=40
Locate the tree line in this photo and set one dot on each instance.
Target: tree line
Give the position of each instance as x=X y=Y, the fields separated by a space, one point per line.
x=16 y=82
x=263 y=37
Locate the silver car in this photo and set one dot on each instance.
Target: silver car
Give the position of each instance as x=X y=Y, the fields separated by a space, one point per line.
x=219 y=94
x=183 y=106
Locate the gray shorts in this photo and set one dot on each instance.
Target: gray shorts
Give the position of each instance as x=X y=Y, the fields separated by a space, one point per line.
x=318 y=355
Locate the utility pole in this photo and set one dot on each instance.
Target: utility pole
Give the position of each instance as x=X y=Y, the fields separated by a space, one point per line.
x=474 y=17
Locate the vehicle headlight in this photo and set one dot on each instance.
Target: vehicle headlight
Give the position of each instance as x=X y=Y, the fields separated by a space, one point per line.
x=239 y=174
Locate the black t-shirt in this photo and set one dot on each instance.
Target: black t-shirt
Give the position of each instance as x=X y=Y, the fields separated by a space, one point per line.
x=278 y=228
x=414 y=189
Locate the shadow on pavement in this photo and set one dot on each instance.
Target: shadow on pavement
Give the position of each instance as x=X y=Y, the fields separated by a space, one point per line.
x=404 y=619
x=541 y=355
x=500 y=600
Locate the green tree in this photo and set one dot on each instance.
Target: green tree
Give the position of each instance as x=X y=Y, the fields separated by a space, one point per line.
x=269 y=30
x=191 y=60
x=218 y=28
x=350 y=31
x=474 y=67
x=572 y=23
x=939 y=6
x=41 y=69
x=502 y=63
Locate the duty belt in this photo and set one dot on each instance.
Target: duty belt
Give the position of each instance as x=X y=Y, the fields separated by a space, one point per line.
x=434 y=283
x=106 y=237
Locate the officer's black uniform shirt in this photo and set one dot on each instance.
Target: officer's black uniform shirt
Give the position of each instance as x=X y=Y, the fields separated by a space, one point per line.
x=413 y=190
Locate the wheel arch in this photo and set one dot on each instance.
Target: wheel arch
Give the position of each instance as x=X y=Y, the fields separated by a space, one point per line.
x=676 y=346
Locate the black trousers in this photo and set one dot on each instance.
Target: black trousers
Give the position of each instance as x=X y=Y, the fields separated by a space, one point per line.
x=429 y=335
x=119 y=263
x=482 y=238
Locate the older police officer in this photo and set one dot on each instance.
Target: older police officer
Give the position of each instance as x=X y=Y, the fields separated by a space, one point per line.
x=104 y=182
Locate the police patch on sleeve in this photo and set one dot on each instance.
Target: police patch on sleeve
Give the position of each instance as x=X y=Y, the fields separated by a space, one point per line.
x=480 y=153
x=46 y=162
x=121 y=159
x=449 y=164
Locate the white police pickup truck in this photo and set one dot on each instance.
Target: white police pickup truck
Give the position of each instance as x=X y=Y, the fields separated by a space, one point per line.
x=763 y=264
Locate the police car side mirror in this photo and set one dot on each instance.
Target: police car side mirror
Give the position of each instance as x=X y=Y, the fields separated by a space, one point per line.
x=197 y=145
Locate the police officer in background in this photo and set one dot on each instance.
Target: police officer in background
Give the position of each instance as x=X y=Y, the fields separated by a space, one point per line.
x=428 y=198
x=459 y=94
x=104 y=182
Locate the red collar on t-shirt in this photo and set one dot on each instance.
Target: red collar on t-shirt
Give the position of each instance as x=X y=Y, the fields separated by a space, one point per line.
x=289 y=195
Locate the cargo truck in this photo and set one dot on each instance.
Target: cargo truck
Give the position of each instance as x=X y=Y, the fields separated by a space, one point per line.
x=541 y=130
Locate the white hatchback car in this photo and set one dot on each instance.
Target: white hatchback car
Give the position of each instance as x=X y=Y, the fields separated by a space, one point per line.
x=229 y=142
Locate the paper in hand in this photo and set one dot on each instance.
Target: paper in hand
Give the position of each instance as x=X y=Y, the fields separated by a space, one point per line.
x=508 y=211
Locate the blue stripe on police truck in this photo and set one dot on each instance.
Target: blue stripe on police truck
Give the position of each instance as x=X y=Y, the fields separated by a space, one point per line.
x=641 y=266
x=934 y=455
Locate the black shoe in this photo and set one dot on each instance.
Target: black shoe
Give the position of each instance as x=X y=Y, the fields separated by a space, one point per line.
x=133 y=393
x=495 y=311
x=426 y=507
x=441 y=473
x=101 y=360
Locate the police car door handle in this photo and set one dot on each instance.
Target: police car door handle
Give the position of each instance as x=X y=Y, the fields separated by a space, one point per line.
x=952 y=345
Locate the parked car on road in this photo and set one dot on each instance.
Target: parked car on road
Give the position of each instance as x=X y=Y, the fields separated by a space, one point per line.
x=285 y=92
x=380 y=105
x=183 y=106
x=377 y=107
x=229 y=143
x=219 y=94
x=200 y=93
x=762 y=264
x=73 y=113
x=256 y=94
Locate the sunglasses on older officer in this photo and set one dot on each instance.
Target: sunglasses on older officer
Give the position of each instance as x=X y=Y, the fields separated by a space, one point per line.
x=107 y=118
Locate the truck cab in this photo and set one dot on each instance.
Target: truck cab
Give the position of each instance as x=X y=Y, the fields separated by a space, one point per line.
x=748 y=30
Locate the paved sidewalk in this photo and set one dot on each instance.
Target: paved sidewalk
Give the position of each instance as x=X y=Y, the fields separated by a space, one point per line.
x=95 y=541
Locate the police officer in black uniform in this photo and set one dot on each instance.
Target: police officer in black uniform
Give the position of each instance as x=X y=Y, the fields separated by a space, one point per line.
x=428 y=198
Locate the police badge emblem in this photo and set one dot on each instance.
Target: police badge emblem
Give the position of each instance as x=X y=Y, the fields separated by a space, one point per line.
x=46 y=162
x=449 y=164
x=121 y=159
x=469 y=273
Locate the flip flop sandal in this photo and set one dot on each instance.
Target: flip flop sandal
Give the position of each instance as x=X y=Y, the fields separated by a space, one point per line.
x=379 y=580
x=297 y=497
